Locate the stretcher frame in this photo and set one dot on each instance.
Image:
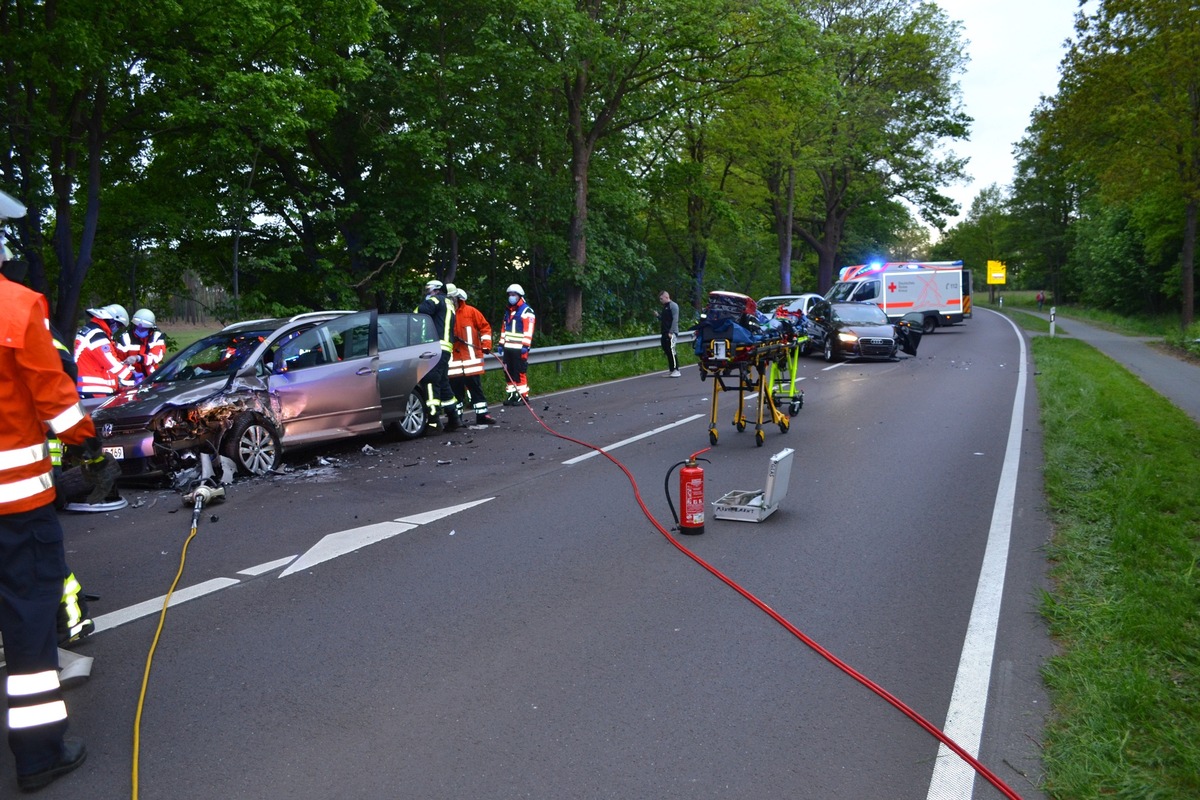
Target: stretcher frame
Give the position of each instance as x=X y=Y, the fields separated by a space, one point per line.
x=768 y=367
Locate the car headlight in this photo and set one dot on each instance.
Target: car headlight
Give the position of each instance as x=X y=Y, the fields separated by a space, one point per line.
x=847 y=337
x=172 y=419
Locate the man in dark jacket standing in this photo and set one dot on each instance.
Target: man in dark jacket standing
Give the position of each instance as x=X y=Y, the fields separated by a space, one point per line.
x=668 y=320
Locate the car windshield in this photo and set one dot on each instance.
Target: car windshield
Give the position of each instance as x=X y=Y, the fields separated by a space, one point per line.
x=865 y=314
x=768 y=304
x=216 y=355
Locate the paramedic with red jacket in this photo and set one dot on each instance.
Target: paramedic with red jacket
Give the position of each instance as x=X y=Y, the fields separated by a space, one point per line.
x=102 y=369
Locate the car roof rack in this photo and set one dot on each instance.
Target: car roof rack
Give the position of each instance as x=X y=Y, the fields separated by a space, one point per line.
x=314 y=314
x=295 y=318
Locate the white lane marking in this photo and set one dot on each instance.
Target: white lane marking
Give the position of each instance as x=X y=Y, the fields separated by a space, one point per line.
x=343 y=542
x=332 y=546
x=154 y=606
x=632 y=439
x=270 y=566
x=952 y=776
x=435 y=515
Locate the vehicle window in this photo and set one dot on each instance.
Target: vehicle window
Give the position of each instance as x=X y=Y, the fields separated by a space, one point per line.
x=309 y=349
x=219 y=354
x=768 y=306
x=867 y=290
x=861 y=315
x=393 y=331
x=840 y=292
x=350 y=336
x=420 y=329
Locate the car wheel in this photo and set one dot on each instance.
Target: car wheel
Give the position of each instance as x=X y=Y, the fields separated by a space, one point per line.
x=253 y=445
x=412 y=423
x=930 y=325
x=831 y=354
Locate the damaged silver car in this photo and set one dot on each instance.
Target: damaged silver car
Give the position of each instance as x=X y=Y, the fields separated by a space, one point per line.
x=257 y=388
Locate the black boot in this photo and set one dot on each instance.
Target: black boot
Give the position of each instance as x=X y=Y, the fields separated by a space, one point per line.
x=452 y=422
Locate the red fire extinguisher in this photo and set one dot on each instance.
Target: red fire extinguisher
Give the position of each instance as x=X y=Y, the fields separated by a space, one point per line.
x=691 y=496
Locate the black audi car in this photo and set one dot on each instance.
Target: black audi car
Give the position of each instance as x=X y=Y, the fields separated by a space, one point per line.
x=858 y=330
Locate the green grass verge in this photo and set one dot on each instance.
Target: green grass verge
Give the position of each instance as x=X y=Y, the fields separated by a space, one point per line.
x=1122 y=478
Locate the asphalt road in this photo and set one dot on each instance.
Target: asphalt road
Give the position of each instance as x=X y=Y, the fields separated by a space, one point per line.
x=470 y=616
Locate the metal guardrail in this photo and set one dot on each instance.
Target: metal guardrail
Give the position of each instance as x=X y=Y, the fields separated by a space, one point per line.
x=566 y=352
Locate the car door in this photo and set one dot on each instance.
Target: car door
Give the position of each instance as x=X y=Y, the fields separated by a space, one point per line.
x=325 y=380
x=817 y=324
x=409 y=347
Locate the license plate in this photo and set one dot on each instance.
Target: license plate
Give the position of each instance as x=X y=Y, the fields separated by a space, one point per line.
x=116 y=452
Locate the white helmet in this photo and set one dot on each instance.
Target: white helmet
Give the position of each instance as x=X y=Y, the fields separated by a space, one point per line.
x=100 y=312
x=433 y=286
x=144 y=318
x=118 y=314
x=515 y=288
x=459 y=294
x=451 y=289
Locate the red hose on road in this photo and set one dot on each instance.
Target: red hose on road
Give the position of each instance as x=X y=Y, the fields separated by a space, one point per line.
x=898 y=704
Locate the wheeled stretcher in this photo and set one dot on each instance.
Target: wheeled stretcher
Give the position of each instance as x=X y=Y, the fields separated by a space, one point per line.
x=741 y=351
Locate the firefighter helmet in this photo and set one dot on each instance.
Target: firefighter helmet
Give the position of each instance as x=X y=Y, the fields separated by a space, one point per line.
x=434 y=286
x=118 y=314
x=144 y=318
x=515 y=288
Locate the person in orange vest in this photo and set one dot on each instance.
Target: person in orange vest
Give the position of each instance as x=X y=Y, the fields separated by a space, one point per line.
x=143 y=346
x=472 y=338
x=33 y=568
x=516 y=336
x=102 y=371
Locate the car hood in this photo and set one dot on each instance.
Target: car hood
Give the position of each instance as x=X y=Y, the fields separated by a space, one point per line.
x=869 y=331
x=146 y=401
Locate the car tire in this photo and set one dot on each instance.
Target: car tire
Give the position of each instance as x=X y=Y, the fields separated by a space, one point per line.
x=253 y=445
x=831 y=353
x=930 y=325
x=412 y=422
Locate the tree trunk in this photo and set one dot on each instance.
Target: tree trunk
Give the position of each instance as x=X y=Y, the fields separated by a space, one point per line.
x=1188 y=258
x=581 y=156
x=783 y=232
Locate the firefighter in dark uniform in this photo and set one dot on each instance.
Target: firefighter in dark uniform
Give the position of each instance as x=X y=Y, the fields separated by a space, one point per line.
x=439 y=396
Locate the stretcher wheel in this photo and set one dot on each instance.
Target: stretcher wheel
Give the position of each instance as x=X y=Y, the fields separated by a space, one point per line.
x=795 y=406
x=784 y=424
x=712 y=436
x=759 y=438
x=741 y=424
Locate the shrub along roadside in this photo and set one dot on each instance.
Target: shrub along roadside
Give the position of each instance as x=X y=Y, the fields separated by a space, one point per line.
x=1122 y=479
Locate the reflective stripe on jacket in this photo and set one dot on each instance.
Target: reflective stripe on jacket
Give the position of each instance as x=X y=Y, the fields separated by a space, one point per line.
x=97 y=358
x=518 y=326
x=39 y=397
x=437 y=307
x=150 y=351
x=472 y=338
